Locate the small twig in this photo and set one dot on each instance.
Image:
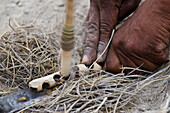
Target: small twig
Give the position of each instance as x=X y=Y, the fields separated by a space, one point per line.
x=157 y=73
x=104 y=100
x=150 y=83
x=11 y=25
x=84 y=105
x=72 y=106
x=136 y=69
x=65 y=108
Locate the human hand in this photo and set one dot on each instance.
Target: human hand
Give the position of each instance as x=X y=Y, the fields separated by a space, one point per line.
x=101 y=20
x=143 y=40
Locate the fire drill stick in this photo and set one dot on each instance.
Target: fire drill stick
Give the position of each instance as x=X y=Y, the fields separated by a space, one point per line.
x=67 y=40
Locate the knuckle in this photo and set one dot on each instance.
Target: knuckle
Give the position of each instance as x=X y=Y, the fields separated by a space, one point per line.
x=87 y=48
x=105 y=27
x=101 y=47
x=161 y=52
x=91 y=33
x=92 y=27
x=102 y=44
x=91 y=44
x=160 y=47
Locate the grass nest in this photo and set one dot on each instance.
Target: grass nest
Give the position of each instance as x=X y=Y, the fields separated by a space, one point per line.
x=27 y=53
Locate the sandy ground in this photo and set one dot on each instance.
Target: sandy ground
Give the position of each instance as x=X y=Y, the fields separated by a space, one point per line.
x=49 y=14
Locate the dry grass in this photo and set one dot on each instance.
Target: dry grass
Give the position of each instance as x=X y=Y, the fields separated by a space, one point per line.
x=27 y=53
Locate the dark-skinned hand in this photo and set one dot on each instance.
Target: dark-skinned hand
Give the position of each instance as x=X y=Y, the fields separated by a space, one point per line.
x=143 y=40
x=101 y=20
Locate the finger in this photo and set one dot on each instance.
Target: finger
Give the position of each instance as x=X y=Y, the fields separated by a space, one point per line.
x=92 y=34
x=85 y=24
x=108 y=19
x=112 y=61
x=127 y=7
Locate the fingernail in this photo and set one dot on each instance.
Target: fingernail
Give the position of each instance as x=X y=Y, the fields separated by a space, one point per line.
x=85 y=59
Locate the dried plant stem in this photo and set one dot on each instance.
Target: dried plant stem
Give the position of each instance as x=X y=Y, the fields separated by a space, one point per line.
x=104 y=100
x=146 y=84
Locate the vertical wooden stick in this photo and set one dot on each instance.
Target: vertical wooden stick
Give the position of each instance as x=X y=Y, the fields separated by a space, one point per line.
x=69 y=13
x=67 y=40
x=66 y=62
